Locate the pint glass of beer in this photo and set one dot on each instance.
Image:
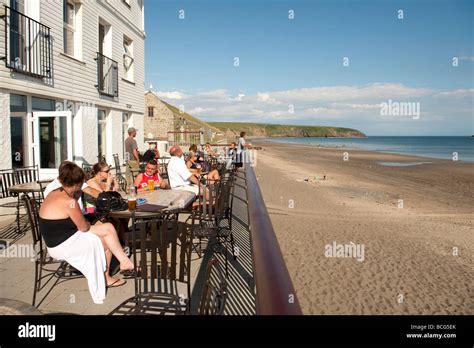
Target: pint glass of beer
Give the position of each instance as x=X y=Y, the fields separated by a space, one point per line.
x=151 y=185
x=132 y=203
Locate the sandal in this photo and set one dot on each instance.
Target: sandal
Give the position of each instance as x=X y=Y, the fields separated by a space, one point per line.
x=130 y=273
x=116 y=283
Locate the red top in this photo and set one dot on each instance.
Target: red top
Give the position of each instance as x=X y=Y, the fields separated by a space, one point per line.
x=145 y=178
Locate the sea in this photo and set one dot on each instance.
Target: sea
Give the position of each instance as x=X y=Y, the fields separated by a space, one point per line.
x=460 y=148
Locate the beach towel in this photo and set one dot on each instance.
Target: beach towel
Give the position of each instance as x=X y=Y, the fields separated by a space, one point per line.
x=85 y=252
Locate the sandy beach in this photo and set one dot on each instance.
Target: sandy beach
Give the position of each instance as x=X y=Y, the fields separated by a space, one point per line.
x=410 y=229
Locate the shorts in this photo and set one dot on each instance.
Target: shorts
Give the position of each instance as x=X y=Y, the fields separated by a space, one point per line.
x=190 y=188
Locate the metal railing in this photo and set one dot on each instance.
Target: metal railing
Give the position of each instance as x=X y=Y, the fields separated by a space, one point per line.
x=27 y=44
x=185 y=138
x=275 y=294
x=107 y=76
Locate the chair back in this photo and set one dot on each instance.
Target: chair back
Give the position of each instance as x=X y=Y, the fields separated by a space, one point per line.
x=118 y=168
x=162 y=250
x=32 y=211
x=87 y=168
x=26 y=175
x=7 y=180
x=214 y=294
x=42 y=184
x=207 y=208
x=163 y=166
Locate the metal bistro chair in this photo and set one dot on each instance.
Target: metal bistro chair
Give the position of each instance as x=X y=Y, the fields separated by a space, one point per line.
x=8 y=179
x=162 y=257
x=163 y=166
x=122 y=181
x=204 y=215
x=11 y=177
x=53 y=269
x=214 y=294
x=225 y=214
x=25 y=175
x=87 y=168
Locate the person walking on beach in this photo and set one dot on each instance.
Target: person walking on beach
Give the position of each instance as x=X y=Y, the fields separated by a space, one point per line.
x=131 y=155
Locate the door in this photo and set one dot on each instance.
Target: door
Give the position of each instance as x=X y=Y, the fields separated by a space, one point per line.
x=17 y=34
x=52 y=143
x=18 y=139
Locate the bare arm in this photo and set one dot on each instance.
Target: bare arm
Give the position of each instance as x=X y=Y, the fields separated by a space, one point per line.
x=76 y=216
x=135 y=154
x=93 y=185
x=138 y=180
x=92 y=191
x=193 y=178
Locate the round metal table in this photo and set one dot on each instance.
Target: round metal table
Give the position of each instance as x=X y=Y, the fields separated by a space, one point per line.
x=30 y=187
x=166 y=201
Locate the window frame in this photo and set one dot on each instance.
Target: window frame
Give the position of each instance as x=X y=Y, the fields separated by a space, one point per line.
x=128 y=53
x=67 y=27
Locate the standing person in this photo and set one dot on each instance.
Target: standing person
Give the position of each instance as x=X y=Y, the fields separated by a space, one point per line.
x=241 y=149
x=131 y=155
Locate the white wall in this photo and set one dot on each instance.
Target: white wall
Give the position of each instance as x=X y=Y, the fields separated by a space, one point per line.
x=5 y=140
x=75 y=80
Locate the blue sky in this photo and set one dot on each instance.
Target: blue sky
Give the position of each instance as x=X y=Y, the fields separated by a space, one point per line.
x=291 y=70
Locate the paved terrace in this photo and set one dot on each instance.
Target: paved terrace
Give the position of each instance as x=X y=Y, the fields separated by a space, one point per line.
x=72 y=296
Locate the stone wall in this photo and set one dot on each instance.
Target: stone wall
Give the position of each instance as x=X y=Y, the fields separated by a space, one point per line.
x=163 y=120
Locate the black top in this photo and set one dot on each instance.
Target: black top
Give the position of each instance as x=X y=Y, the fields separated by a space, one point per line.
x=56 y=232
x=148 y=155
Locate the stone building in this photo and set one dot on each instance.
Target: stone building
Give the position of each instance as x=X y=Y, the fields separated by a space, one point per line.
x=158 y=120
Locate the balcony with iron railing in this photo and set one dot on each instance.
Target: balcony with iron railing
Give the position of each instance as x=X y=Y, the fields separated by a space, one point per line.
x=107 y=76
x=27 y=44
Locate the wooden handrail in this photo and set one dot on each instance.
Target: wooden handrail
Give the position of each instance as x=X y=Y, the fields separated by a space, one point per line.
x=275 y=292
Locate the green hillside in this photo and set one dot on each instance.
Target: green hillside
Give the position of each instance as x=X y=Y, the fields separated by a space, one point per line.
x=192 y=123
x=277 y=130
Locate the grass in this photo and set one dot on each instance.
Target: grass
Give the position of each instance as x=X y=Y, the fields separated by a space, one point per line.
x=277 y=130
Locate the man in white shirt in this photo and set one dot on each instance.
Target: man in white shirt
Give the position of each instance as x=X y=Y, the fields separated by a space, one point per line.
x=179 y=176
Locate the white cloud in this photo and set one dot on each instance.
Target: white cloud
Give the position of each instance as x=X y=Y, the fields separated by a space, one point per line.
x=457 y=93
x=175 y=95
x=345 y=106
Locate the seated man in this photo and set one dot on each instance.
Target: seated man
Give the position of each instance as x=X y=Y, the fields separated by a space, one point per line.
x=179 y=176
x=151 y=173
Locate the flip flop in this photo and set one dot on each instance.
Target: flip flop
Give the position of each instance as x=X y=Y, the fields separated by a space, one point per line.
x=130 y=273
x=115 y=285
